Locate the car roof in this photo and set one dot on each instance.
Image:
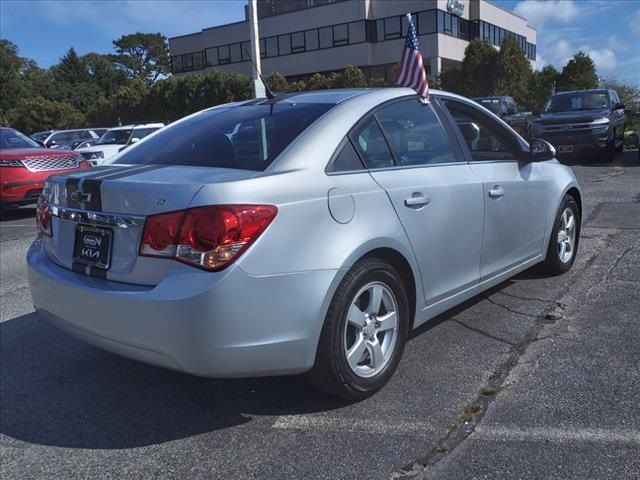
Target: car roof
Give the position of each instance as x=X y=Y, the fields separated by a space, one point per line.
x=588 y=90
x=139 y=125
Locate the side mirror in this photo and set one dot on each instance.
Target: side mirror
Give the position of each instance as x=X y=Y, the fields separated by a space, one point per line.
x=134 y=140
x=41 y=143
x=511 y=111
x=618 y=106
x=52 y=143
x=541 y=150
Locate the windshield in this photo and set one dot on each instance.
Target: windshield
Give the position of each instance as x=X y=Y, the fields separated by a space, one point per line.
x=247 y=137
x=14 y=139
x=575 y=102
x=115 y=137
x=40 y=135
x=492 y=104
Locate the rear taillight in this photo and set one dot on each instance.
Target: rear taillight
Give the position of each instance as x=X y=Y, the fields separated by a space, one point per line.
x=43 y=217
x=209 y=237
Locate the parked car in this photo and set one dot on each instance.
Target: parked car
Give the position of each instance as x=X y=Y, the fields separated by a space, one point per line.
x=582 y=122
x=25 y=165
x=67 y=139
x=507 y=109
x=307 y=233
x=116 y=139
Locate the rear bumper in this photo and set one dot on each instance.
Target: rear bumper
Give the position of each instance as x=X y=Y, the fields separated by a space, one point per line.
x=225 y=324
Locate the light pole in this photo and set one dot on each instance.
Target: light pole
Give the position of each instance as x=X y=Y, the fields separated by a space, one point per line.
x=254 y=38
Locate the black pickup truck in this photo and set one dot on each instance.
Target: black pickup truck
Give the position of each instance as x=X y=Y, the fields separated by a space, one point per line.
x=507 y=109
x=581 y=122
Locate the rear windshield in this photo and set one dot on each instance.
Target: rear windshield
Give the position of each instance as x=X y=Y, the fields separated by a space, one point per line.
x=247 y=137
x=492 y=104
x=572 y=102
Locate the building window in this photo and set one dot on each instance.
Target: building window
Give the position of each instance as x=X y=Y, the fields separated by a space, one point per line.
x=392 y=28
x=187 y=62
x=176 y=64
x=326 y=37
x=297 y=42
x=357 y=32
x=284 y=44
x=427 y=22
x=236 y=53
x=246 y=51
x=272 y=47
x=224 y=56
x=311 y=39
x=340 y=35
x=198 y=61
x=212 y=56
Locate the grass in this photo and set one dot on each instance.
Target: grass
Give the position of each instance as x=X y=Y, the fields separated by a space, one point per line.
x=470 y=411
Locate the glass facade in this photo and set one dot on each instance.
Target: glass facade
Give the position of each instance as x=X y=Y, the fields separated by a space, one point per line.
x=390 y=28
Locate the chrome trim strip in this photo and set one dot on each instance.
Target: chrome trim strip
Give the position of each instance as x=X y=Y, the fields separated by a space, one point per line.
x=97 y=218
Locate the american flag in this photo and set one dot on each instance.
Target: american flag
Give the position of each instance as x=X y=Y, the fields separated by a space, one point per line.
x=411 y=72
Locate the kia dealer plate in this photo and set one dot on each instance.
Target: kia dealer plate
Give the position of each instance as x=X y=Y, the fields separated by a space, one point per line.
x=93 y=246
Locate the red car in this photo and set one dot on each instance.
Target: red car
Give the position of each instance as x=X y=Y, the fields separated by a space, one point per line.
x=25 y=165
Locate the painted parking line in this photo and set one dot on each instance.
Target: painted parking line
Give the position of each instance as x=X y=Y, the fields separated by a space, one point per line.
x=557 y=434
x=309 y=422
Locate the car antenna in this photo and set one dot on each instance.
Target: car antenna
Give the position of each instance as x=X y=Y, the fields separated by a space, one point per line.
x=267 y=90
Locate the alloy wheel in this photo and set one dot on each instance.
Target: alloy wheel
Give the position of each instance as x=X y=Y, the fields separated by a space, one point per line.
x=567 y=235
x=371 y=329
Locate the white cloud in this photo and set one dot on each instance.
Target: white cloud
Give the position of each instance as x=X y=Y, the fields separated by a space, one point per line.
x=605 y=58
x=634 y=21
x=539 y=12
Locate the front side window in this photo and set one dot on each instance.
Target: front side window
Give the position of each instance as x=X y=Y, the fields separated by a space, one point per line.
x=370 y=142
x=484 y=137
x=415 y=134
x=247 y=137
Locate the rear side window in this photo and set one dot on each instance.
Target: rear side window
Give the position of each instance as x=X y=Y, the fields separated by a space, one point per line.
x=347 y=159
x=247 y=137
x=370 y=142
x=415 y=134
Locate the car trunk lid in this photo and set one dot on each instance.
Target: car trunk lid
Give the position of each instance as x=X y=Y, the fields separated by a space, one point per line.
x=98 y=216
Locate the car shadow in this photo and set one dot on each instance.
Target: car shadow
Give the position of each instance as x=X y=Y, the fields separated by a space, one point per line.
x=61 y=392
x=624 y=159
x=17 y=213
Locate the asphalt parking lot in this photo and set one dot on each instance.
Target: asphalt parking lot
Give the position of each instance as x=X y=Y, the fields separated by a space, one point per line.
x=537 y=379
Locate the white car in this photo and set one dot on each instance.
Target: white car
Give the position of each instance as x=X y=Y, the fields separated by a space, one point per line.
x=115 y=140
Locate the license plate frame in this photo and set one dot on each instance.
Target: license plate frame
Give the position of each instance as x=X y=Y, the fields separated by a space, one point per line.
x=93 y=246
x=565 y=148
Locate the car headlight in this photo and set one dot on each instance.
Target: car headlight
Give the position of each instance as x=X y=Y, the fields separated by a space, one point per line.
x=93 y=155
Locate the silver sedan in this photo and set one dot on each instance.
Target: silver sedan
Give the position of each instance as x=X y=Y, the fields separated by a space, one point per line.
x=308 y=233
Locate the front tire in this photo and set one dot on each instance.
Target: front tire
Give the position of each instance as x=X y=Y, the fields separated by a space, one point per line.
x=364 y=333
x=565 y=237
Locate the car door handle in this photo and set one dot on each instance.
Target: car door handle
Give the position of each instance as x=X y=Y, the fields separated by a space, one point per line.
x=496 y=192
x=416 y=200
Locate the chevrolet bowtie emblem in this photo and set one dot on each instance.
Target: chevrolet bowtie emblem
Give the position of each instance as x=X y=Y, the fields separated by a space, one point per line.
x=81 y=197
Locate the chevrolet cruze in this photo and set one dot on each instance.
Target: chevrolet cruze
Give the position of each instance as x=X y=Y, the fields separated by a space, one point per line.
x=306 y=233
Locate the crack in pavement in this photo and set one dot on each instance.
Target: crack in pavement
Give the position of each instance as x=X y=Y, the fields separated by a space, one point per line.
x=509 y=309
x=476 y=409
x=544 y=300
x=485 y=334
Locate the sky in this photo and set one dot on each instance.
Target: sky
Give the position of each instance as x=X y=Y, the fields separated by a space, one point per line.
x=608 y=30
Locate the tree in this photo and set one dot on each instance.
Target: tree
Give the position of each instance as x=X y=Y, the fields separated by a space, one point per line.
x=277 y=83
x=540 y=87
x=38 y=113
x=318 y=82
x=479 y=69
x=142 y=55
x=629 y=94
x=101 y=70
x=10 y=66
x=513 y=71
x=71 y=69
x=350 y=77
x=578 y=74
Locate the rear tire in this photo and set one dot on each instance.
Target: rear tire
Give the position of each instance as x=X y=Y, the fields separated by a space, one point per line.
x=359 y=350
x=565 y=237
